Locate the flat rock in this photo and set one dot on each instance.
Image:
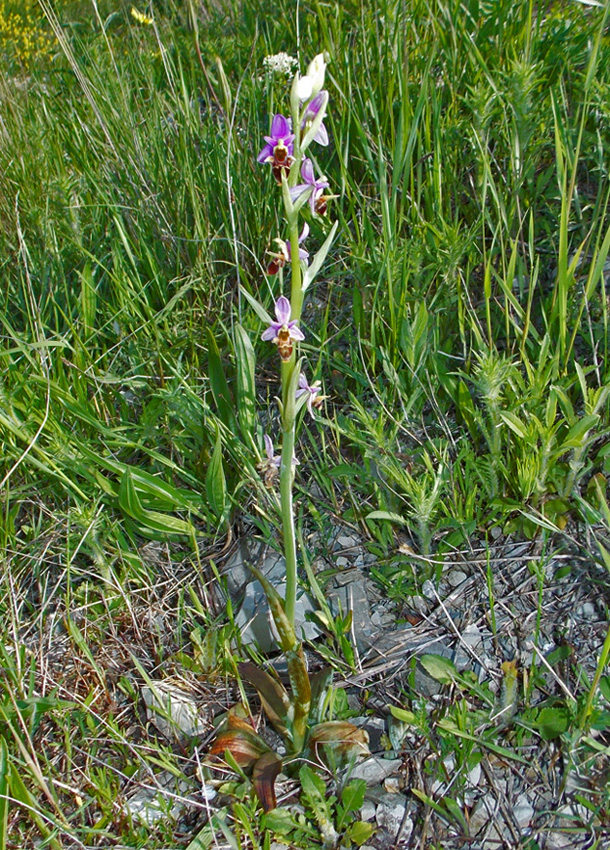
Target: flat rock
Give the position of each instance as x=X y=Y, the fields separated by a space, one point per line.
x=374 y=770
x=392 y=815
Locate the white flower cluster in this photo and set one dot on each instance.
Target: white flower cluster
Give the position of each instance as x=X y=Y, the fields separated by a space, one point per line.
x=279 y=63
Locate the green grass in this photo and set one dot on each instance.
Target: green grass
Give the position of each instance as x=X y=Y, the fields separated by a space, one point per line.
x=460 y=329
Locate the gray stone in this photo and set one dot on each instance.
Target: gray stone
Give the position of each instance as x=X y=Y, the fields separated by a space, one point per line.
x=368 y=810
x=559 y=841
x=456 y=577
x=346 y=542
x=173 y=710
x=428 y=590
x=523 y=812
x=256 y=623
x=391 y=815
x=374 y=770
x=237 y=573
x=484 y=813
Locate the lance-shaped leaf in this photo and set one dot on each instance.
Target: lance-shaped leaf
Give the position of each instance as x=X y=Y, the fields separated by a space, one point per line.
x=218 y=384
x=291 y=215
x=318 y=260
x=320 y=688
x=293 y=207
x=273 y=695
x=336 y=743
x=215 y=482
x=295 y=659
x=258 y=308
x=239 y=738
x=264 y=774
x=153 y=520
x=246 y=403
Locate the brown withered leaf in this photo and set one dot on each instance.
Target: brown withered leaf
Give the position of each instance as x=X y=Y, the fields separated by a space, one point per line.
x=264 y=774
x=240 y=739
x=337 y=742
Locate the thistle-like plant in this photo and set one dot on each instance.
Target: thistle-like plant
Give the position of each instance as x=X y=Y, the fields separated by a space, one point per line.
x=296 y=713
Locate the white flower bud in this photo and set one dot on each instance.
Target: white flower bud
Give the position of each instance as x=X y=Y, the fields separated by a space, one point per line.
x=316 y=72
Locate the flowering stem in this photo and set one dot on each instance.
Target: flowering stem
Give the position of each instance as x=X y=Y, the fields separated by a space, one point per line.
x=286 y=481
x=288 y=437
x=296 y=292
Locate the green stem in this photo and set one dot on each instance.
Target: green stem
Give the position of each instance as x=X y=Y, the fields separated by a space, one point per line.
x=286 y=482
x=296 y=292
x=289 y=435
x=601 y=664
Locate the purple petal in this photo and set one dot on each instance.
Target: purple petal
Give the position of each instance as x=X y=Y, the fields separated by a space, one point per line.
x=266 y=151
x=307 y=172
x=303 y=385
x=271 y=332
x=316 y=104
x=295 y=333
x=321 y=136
x=280 y=127
x=282 y=310
x=269 y=446
x=297 y=191
x=304 y=233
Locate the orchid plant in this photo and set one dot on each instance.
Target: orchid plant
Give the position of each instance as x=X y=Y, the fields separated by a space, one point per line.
x=298 y=716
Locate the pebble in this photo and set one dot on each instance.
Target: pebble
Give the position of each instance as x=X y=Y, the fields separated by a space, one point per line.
x=346 y=541
x=368 y=810
x=484 y=811
x=456 y=577
x=150 y=804
x=523 y=812
x=392 y=785
x=588 y=611
x=375 y=770
x=428 y=590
